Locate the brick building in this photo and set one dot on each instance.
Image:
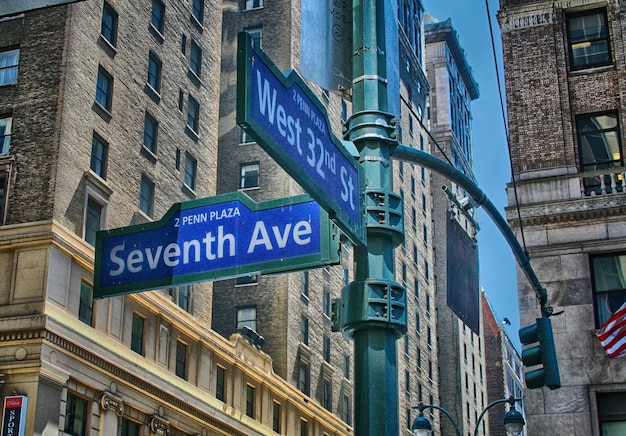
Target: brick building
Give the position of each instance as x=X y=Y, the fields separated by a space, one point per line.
x=564 y=72
x=108 y=116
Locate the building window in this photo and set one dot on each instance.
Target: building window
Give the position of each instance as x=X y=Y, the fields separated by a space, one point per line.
x=304 y=290
x=588 y=39
x=193 y=114
x=136 y=334
x=157 y=18
x=611 y=414
x=150 y=133
x=327 y=394
x=76 y=412
x=346 y=366
x=220 y=383
x=252 y=4
x=104 y=89
x=304 y=427
x=5 y=134
x=99 y=156
x=9 y=61
x=407 y=381
x=181 y=359
x=3 y=197
x=197 y=10
x=304 y=377
x=85 y=304
x=155 y=66
x=346 y=413
x=195 y=58
x=130 y=428
x=599 y=146
x=304 y=330
x=250 y=401
x=326 y=348
x=182 y=296
x=244 y=137
x=249 y=175
x=191 y=166
x=146 y=196
x=609 y=284
x=327 y=303
x=276 y=417
x=246 y=316
x=94 y=219
x=108 y=28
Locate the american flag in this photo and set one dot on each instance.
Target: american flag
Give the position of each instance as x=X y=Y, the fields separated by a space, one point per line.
x=612 y=335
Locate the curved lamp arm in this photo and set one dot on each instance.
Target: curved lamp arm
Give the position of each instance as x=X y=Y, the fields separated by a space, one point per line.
x=421 y=408
x=510 y=400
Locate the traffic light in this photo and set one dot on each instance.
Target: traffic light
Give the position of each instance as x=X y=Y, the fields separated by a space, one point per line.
x=540 y=353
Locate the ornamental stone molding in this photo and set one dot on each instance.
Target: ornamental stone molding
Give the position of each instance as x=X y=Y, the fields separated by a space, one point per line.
x=161 y=425
x=108 y=401
x=540 y=14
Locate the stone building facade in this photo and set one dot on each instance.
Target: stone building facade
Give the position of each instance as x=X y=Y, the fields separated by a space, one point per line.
x=564 y=72
x=108 y=116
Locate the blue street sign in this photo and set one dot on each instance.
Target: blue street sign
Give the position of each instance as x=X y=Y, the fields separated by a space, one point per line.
x=285 y=118
x=215 y=238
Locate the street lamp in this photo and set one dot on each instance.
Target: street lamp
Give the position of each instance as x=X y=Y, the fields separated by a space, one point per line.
x=513 y=420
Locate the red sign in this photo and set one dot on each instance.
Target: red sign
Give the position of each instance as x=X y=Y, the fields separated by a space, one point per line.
x=14 y=416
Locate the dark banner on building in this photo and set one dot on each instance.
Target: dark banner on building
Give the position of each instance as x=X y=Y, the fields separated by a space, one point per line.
x=14 y=415
x=462 y=273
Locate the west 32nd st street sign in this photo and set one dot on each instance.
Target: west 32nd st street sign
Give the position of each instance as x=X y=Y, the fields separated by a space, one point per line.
x=286 y=119
x=215 y=238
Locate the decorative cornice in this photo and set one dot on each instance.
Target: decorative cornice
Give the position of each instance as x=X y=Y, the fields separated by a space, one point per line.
x=108 y=401
x=532 y=218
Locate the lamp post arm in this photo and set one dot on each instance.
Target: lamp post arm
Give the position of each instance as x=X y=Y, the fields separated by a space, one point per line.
x=421 y=408
x=433 y=163
x=511 y=401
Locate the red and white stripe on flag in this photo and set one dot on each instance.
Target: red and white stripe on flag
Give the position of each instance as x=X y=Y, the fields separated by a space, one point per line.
x=612 y=335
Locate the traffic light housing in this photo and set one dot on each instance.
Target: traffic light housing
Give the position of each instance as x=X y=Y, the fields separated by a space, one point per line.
x=538 y=349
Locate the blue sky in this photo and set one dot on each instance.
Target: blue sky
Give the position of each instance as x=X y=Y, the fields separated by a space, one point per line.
x=491 y=160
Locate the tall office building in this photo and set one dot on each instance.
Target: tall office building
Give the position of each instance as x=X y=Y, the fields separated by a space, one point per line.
x=108 y=116
x=292 y=311
x=564 y=71
x=462 y=372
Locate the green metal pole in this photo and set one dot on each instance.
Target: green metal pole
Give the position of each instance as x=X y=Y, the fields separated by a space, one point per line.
x=374 y=305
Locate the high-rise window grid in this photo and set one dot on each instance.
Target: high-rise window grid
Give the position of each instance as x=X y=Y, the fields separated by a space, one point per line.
x=157 y=17
x=85 y=304
x=99 y=156
x=9 y=61
x=191 y=168
x=108 y=27
x=589 y=39
x=195 y=58
x=104 y=89
x=155 y=67
x=76 y=413
x=137 y=333
x=150 y=133
x=146 y=196
x=6 y=124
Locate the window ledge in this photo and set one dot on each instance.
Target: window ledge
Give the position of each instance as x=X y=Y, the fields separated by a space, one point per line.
x=139 y=217
x=149 y=154
x=189 y=191
x=156 y=33
x=191 y=133
x=108 y=47
x=152 y=93
x=251 y=188
x=194 y=77
x=102 y=111
x=197 y=24
x=592 y=70
x=98 y=182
